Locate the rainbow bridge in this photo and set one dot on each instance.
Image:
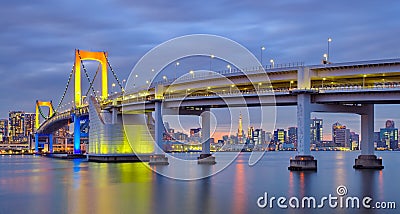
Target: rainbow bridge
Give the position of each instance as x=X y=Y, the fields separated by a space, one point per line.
x=352 y=87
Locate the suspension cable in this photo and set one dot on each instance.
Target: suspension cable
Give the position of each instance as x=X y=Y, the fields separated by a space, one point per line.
x=86 y=73
x=91 y=84
x=66 y=88
x=115 y=75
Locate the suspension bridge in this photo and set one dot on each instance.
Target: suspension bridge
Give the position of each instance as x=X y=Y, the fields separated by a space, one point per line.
x=116 y=120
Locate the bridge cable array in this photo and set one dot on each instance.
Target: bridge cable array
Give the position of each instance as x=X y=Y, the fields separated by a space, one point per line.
x=91 y=83
x=86 y=74
x=66 y=88
x=115 y=75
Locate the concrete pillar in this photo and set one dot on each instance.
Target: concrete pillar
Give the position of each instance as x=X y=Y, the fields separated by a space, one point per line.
x=205 y=132
x=367 y=131
x=51 y=143
x=159 y=157
x=303 y=160
x=303 y=124
x=36 y=142
x=77 y=135
x=367 y=159
x=159 y=129
x=114 y=116
x=205 y=156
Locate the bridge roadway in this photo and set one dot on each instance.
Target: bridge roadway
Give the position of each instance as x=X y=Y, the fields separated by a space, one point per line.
x=323 y=88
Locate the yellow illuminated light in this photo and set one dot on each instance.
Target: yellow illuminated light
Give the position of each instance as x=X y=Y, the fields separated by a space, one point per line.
x=39 y=104
x=88 y=55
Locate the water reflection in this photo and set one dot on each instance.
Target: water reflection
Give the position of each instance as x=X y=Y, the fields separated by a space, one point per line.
x=239 y=188
x=42 y=185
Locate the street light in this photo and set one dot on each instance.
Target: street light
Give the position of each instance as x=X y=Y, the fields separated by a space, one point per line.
x=291 y=82
x=165 y=78
x=262 y=50
x=176 y=68
x=134 y=80
x=230 y=89
x=192 y=73
x=211 y=58
x=329 y=41
x=259 y=84
x=229 y=67
x=272 y=63
x=323 y=79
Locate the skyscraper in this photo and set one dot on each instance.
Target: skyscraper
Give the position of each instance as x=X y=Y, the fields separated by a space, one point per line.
x=389 y=135
x=280 y=136
x=354 y=140
x=29 y=125
x=16 y=126
x=340 y=135
x=316 y=135
x=250 y=134
x=258 y=136
x=3 y=130
x=292 y=136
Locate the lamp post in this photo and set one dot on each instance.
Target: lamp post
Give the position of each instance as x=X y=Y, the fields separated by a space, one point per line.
x=290 y=84
x=261 y=51
x=192 y=73
x=329 y=41
x=229 y=67
x=176 y=68
x=134 y=80
x=165 y=79
x=272 y=63
x=211 y=58
x=323 y=79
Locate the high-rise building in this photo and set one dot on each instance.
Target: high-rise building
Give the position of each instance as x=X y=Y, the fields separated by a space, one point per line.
x=389 y=135
x=268 y=137
x=340 y=135
x=354 y=141
x=29 y=125
x=4 y=130
x=258 y=137
x=292 y=136
x=316 y=133
x=279 y=136
x=250 y=134
x=16 y=126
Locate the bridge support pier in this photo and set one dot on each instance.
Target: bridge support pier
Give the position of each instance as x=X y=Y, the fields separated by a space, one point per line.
x=77 y=134
x=367 y=159
x=158 y=158
x=303 y=160
x=36 y=143
x=51 y=143
x=50 y=136
x=205 y=156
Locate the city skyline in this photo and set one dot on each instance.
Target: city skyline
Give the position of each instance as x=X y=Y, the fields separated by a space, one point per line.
x=281 y=27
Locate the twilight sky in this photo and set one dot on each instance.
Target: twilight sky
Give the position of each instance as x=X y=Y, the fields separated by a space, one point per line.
x=38 y=39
